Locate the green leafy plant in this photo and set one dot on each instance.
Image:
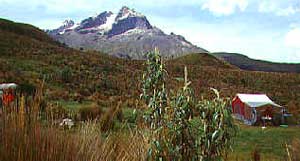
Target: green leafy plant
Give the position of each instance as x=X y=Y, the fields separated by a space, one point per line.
x=173 y=136
x=217 y=128
x=154 y=95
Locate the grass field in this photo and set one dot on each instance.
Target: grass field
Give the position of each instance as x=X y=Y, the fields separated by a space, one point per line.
x=270 y=142
x=108 y=90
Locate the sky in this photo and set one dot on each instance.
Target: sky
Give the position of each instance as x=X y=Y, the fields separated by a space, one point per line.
x=261 y=29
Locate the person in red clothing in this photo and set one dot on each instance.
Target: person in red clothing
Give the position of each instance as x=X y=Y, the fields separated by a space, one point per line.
x=7 y=97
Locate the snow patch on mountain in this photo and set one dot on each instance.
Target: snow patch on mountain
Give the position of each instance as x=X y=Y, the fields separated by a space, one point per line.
x=134 y=31
x=74 y=26
x=126 y=12
x=109 y=23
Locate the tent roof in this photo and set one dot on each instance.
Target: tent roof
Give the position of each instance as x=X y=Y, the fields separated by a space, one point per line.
x=8 y=85
x=256 y=100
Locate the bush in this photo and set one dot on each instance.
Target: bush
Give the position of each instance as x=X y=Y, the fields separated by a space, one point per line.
x=107 y=122
x=130 y=115
x=171 y=119
x=66 y=74
x=55 y=111
x=90 y=112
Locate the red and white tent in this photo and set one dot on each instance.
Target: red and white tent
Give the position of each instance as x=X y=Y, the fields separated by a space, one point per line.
x=251 y=107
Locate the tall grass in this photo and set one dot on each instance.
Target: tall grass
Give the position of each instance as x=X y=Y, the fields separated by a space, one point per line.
x=293 y=150
x=25 y=137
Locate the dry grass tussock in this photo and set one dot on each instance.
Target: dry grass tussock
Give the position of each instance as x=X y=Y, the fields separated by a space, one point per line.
x=24 y=136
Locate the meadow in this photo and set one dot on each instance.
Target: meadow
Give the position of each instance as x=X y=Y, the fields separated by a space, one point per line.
x=28 y=136
x=101 y=94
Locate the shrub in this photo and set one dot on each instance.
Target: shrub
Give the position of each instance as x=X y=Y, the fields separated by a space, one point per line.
x=107 y=121
x=130 y=115
x=172 y=134
x=55 y=111
x=66 y=74
x=217 y=128
x=90 y=112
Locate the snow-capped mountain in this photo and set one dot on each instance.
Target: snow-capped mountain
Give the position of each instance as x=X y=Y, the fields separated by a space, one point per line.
x=125 y=34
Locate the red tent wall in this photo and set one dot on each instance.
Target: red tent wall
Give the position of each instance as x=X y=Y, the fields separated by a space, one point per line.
x=238 y=107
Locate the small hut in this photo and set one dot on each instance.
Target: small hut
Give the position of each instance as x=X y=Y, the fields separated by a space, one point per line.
x=253 y=108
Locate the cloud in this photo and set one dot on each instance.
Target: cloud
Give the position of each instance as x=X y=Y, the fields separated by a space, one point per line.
x=292 y=38
x=291 y=41
x=225 y=7
x=279 y=8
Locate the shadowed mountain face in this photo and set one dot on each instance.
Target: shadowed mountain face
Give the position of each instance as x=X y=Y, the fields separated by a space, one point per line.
x=126 y=34
x=246 y=63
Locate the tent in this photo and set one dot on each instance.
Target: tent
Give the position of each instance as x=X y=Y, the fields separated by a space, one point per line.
x=253 y=107
x=4 y=86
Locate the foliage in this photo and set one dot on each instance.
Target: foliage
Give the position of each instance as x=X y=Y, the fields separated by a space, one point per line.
x=154 y=94
x=179 y=126
x=26 y=56
x=173 y=137
x=217 y=128
x=25 y=137
x=154 y=90
x=31 y=140
x=66 y=75
x=24 y=59
x=90 y=112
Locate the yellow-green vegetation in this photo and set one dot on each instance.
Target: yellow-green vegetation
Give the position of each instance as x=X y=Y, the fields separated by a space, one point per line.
x=107 y=89
x=75 y=76
x=269 y=143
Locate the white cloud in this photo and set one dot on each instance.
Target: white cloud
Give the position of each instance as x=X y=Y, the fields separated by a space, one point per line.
x=292 y=38
x=279 y=8
x=288 y=11
x=225 y=7
x=291 y=41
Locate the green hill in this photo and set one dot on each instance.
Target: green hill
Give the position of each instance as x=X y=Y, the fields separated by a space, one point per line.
x=246 y=63
x=28 y=55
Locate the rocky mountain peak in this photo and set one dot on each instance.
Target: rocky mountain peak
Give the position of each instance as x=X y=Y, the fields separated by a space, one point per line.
x=128 y=19
x=125 y=34
x=68 y=23
x=126 y=12
x=96 y=21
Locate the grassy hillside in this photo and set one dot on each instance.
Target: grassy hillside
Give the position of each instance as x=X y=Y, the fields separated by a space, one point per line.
x=27 y=57
x=247 y=63
x=24 y=30
x=77 y=79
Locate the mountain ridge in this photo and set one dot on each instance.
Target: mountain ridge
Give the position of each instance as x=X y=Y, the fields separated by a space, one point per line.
x=246 y=63
x=125 y=34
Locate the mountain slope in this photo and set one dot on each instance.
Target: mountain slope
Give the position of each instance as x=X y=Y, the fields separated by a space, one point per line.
x=126 y=34
x=24 y=30
x=72 y=75
x=246 y=63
